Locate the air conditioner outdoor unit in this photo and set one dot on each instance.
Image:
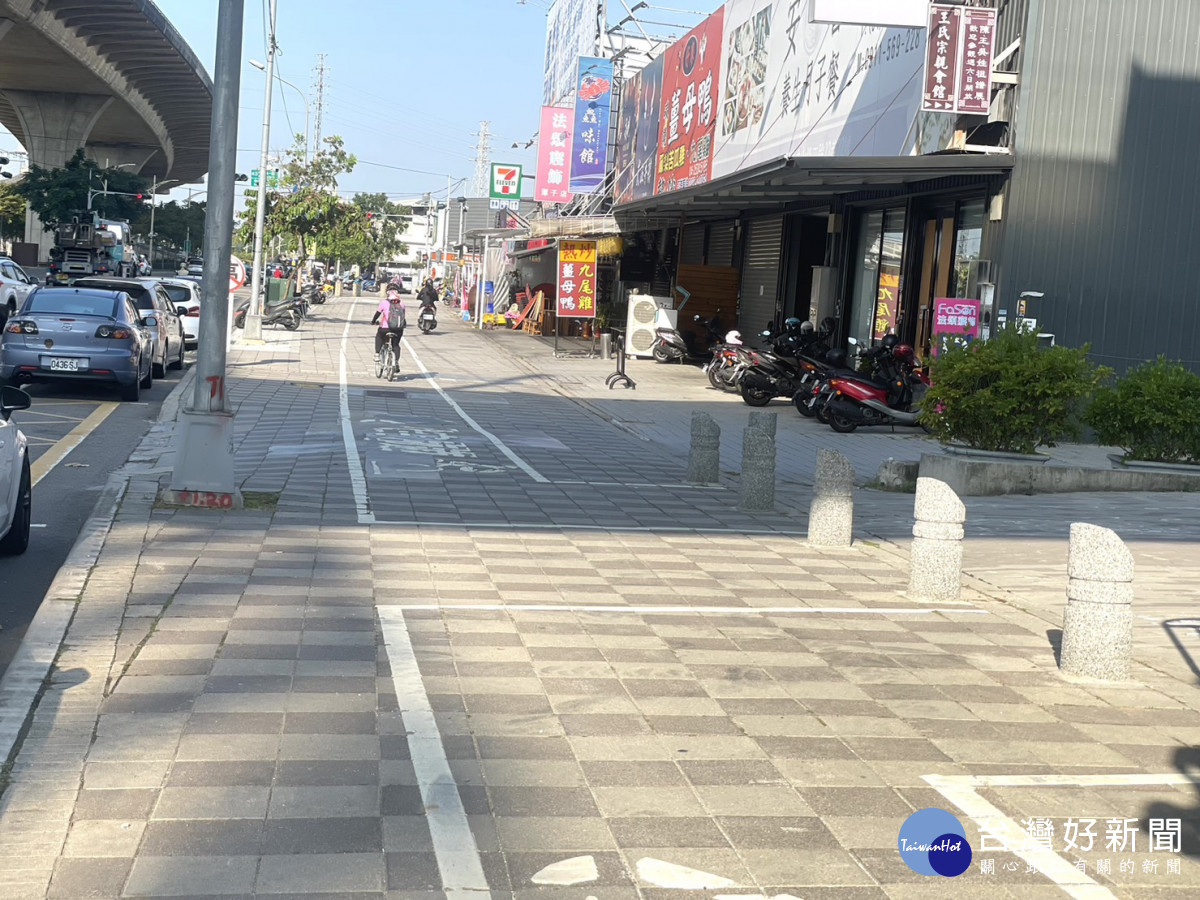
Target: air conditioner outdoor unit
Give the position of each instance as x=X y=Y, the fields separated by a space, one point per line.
x=643 y=319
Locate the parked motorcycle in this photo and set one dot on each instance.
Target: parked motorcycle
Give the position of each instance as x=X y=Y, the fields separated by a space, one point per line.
x=892 y=398
x=725 y=368
x=670 y=345
x=285 y=313
x=785 y=368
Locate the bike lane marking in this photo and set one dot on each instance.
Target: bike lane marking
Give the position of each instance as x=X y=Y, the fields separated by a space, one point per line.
x=56 y=453
x=465 y=416
x=358 y=478
x=454 y=844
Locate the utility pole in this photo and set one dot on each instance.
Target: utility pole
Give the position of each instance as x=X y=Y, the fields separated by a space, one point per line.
x=320 y=101
x=483 y=159
x=153 y=207
x=204 y=474
x=253 y=321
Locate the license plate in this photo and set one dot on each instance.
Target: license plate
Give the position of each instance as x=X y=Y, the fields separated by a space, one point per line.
x=66 y=364
x=63 y=277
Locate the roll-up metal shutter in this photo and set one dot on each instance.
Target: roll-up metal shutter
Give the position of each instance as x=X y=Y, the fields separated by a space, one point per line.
x=691 y=246
x=760 y=275
x=720 y=244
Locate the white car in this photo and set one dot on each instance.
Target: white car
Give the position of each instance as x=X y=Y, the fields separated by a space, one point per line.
x=185 y=297
x=16 y=482
x=15 y=286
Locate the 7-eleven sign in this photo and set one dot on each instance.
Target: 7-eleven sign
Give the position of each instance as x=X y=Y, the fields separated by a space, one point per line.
x=506 y=182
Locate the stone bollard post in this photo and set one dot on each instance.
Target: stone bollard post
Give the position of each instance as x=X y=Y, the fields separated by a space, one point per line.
x=831 y=514
x=357 y=289
x=757 y=488
x=764 y=421
x=337 y=288
x=1097 y=639
x=936 y=556
x=704 y=456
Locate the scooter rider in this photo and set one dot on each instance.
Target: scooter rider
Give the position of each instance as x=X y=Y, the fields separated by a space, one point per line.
x=391 y=318
x=428 y=295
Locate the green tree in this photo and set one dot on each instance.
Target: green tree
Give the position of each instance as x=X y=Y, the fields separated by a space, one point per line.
x=363 y=231
x=12 y=211
x=175 y=224
x=57 y=194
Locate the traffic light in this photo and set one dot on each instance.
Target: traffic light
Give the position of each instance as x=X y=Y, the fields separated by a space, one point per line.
x=424 y=259
x=370 y=217
x=241 y=176
x=138 y=196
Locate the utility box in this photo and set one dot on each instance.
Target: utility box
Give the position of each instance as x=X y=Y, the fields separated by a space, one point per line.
x=276 y=290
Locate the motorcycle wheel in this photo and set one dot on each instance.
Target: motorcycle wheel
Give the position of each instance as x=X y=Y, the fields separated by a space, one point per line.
x=426 y=328
x=841 y=424
x=660 y=354
x=292 y=322
x=239 y=320
x=823 y=415
x=715 y=379
x=756 y=396
x=800 y=401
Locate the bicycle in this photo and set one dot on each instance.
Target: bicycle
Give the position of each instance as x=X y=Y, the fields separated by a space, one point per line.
x=389 y=358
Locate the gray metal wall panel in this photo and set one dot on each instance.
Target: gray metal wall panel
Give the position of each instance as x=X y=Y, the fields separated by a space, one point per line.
x=760 y=275
x=691 y=245
x=1102 y=213
x=720 y=244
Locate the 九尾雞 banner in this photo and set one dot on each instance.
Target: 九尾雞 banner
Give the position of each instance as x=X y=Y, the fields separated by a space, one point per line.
x=593 y=100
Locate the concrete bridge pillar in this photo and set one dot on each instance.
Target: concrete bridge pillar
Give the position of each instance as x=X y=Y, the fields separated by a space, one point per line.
x=55 y=126
x=128 y=156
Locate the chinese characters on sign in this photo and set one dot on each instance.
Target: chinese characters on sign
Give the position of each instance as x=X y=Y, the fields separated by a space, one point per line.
x=689 y=112
x=1081 y=836
x=958 y=71
x=941 y=60
x=885 y=304
x=975 y=81
x=954 y=320
x=577 y=279
x=593 y=99
x=554 y=154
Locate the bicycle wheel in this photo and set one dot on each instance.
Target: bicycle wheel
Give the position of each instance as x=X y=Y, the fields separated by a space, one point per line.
x=389 y=364
x=379 y=364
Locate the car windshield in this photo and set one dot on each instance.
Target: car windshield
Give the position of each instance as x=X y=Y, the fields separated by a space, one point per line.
x=71 y=303
x=178 y=293
x=141 y=295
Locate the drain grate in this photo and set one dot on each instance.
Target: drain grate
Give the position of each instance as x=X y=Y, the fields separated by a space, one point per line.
x=398 y=395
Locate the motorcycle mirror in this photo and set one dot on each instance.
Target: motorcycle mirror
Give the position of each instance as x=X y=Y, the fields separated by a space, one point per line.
x=851 y=340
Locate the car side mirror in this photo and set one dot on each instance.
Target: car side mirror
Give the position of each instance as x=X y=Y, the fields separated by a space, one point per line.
x=150 y=321
x=11 y=400
x=181 y=310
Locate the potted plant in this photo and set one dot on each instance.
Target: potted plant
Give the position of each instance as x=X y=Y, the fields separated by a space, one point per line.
x=1008 y=395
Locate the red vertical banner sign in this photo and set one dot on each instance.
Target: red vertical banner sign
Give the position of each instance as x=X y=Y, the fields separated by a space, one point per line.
x=974 y=93
x=554 y=155
x=691 y=82
x=941 y=62
x=576 y=297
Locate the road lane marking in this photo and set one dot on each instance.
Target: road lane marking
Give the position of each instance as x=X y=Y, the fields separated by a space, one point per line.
x=358 y=478
x=42 y=466
x=454 y=845
x=465 y=416
x=687 y=610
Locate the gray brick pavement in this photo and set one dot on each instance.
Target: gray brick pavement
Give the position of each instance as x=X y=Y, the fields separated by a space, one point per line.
x=224 y=718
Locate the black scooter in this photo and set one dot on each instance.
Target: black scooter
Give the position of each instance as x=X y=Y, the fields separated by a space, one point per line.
x=427 y=319
x=286 y=313
x=669 y=344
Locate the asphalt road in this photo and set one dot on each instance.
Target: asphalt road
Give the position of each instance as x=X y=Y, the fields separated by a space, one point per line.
x=65 y=496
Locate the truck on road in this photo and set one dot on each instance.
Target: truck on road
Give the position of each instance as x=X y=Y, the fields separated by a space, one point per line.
x=94 y=246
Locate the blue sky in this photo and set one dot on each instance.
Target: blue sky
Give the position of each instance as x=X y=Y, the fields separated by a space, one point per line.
x=406 y=86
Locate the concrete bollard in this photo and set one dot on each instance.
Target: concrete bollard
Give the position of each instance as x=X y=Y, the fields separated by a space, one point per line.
x=757 y=487
x=704 y=456
x=357 y=289
x=1097 y=639
x=764 y=421
x=936 y=555
x=831 y=514
x=337 y=288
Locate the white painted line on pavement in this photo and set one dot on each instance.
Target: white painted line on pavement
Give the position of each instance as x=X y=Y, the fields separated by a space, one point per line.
x=358 y=479
x=42 y=466
x=499 y=444
x=688 y=610
x=453 y=842
x=639 y=529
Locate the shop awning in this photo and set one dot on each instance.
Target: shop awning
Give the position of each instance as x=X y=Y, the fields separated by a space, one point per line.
x=805 y=182
x=574 y=226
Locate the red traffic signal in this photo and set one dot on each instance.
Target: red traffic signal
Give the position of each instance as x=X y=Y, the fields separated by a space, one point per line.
x=139 y=196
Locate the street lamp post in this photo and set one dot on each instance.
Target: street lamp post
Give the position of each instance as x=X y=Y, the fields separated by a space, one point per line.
x=307 y=108
x=253 y=322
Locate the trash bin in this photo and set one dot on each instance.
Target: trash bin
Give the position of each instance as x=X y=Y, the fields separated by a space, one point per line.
x=276 y=290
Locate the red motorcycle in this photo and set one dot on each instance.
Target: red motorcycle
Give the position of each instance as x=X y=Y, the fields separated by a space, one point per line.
x=893 y=398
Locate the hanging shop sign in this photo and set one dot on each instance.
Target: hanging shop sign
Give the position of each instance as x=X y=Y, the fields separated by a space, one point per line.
x=554 y=155
x=689 y=108
x=576 y=288
x=572 y=31
x=637 y=133
x=958 y=67
x=593 y=100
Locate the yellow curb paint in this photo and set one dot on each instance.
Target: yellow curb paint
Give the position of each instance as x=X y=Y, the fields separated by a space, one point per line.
x=47 y=461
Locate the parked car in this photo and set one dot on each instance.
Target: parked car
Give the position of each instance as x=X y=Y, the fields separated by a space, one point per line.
x=80 y=334
x=152 y=299
x=184 y=293
x=194 y=265
x=16 y=483
x=15 y=286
